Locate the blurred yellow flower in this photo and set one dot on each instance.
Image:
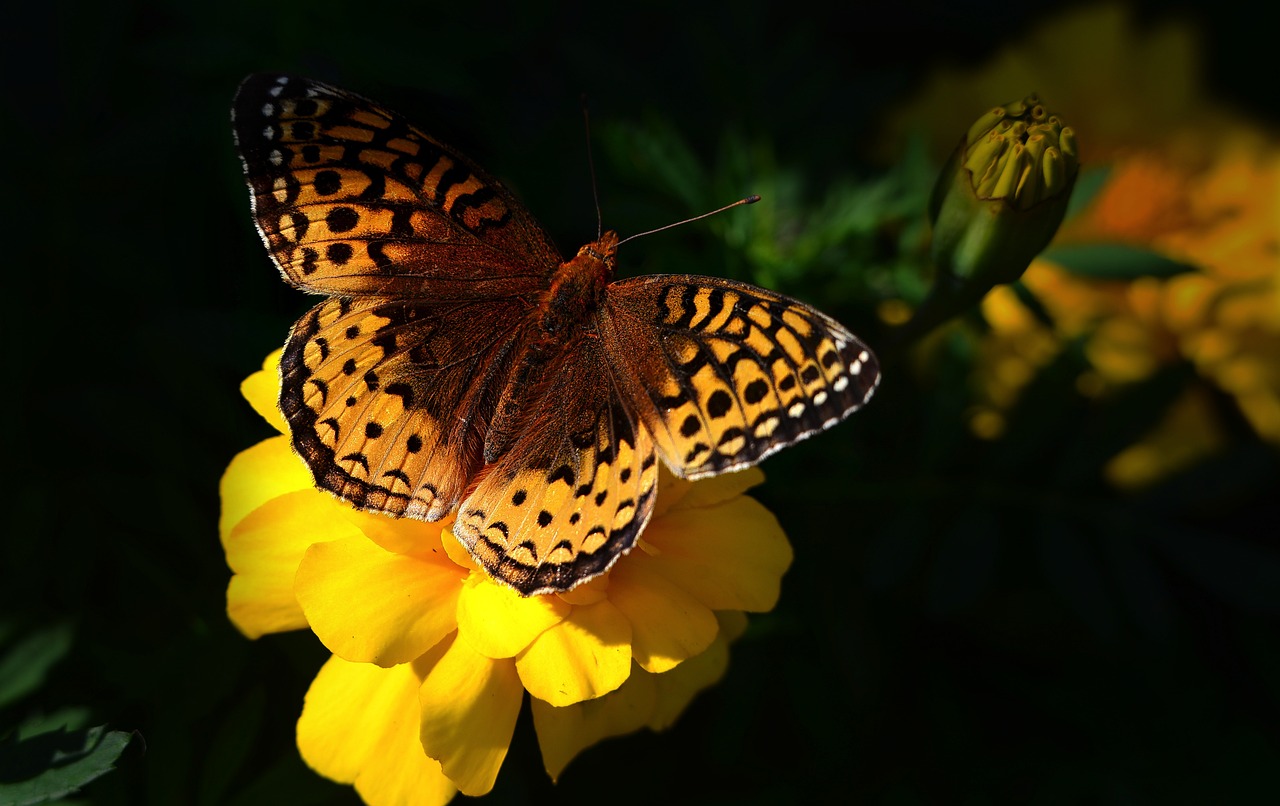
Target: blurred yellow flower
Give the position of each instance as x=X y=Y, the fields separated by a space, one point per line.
x=432 y=658
x=1186 y=180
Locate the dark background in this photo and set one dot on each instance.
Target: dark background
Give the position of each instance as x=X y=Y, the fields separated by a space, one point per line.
x=924 y=650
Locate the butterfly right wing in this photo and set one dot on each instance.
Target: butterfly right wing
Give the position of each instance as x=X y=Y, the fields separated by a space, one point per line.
x=574 y=488
x=387 y=400
x=350 y=199
x=725 y=373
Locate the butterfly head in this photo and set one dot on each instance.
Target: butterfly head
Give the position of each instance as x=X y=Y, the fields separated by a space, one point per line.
x=603 y=249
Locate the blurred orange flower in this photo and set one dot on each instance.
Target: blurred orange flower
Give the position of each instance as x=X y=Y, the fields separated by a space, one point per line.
x=1185 y=179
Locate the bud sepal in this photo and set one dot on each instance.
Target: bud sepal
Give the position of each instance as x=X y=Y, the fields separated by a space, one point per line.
x=1002 y=195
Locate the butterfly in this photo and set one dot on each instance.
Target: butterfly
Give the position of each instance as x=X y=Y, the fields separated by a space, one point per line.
x=458 y=361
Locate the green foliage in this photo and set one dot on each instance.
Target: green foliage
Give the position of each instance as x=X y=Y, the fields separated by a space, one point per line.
x=1114 y=261
x=50 y=766
x=26 y=661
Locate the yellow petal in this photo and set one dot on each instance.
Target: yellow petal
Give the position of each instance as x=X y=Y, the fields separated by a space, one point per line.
x=359 y=725
x=652 y=700
x=668 y=624
x=733 y=623
x=255 y=476
x=264 y=551
x=468 y=705
x=731 y=555
x=587 y=593
x=586 y=655
x=565 y=732
x=675 y=493
x=498 y=622
x=404 y=535
x=370 y=605
x=262 y=390
x=458 y=552
x=678 y=687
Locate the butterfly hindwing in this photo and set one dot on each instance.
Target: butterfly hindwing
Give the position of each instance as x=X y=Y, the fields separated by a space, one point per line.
x=725 y=373
x=350 y=199
x=386 y=399
x=574 y=489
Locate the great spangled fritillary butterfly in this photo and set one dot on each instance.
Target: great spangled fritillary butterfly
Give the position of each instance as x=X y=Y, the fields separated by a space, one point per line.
x=457 y=360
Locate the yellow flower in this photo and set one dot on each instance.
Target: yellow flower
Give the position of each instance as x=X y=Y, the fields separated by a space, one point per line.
x=432 y=658
x=1186 y=180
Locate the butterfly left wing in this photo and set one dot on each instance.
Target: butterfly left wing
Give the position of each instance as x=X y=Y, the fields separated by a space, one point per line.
x=573 y=490
x=386 y=399
x=351 y=199
x=724 y=373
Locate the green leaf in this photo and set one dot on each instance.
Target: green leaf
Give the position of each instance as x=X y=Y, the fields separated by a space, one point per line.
x=69 y=717
x=56 y=764
x=1033 y=304
x=1114 y=261
x=25 y=664
x=1088 y=184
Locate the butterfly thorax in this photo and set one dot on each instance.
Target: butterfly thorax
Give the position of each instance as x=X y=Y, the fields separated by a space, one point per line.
x=565 y=313
x=577 y=288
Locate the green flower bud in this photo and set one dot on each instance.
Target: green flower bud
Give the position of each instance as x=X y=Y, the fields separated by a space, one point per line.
x=1002 y=195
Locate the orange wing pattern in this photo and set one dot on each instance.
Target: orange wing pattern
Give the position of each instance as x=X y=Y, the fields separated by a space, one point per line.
x=724 y=373
x=458 y=363
x=574 y=489
x=350 y=199
x=387 y=400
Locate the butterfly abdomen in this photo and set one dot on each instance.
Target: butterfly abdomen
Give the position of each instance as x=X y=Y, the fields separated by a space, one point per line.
x=564 y=315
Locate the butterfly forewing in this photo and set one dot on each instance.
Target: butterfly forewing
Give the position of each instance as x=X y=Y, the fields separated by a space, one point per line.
x=350 y=199
x=724 y=373
x=574 y=489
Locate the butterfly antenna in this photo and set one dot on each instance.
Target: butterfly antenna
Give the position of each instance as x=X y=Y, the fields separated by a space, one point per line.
x=748 y=200
x=591 y=163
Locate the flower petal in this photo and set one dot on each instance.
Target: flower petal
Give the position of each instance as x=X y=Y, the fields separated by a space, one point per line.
x=468 y=705
x=255 y=476
x=458 y=552
x=586 y=655
x=678 y=687
x=652 y=700
x=673 y=490
x=733 y=623
x=730 y=555
x=565 y=732
x=369 y=605
x=407 y=536
x=264 y=551
x=498 y=622
x=587 y=593
x=262 y=390
x=359 y=725
x=668 y=624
